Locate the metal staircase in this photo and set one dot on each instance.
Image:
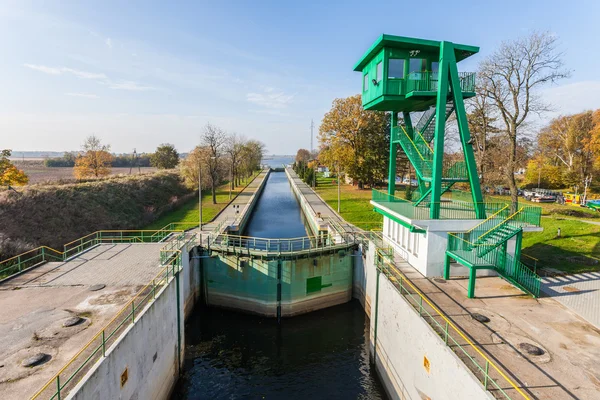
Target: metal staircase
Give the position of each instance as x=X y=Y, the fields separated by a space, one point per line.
x=426 y=124
x=485 y=246
x=420 y=154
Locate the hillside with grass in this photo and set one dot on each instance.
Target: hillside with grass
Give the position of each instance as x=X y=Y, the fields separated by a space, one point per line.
x=53 y=215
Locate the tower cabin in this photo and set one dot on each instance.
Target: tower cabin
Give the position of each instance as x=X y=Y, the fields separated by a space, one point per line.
x=419 y=78
x=402 y=74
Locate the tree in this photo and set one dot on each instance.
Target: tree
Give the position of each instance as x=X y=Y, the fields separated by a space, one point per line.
x=567 y=141
x=303 y=155
x=9 y=174
x=510 y=78
x=165 y=157
x=356 y=139
x=234 y=146
x=213 y=138
x=483 y=130
x=252 y=154
x=190 y=167
x=95 y=160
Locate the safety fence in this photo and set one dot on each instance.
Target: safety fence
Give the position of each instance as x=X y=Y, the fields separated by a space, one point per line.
x=491 y=376
x=44 y=254
x=59 y=386
x=448 y=209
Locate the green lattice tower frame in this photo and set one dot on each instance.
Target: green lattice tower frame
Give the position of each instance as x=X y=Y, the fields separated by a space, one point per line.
x=382 y=95
x=448 y=78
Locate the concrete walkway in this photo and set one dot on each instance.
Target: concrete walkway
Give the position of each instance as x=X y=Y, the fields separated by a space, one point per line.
x=579 y=292
x=234 y=210
x=319 y=205
x=569 y=367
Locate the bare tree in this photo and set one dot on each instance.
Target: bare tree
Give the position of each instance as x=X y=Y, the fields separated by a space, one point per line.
x=482 y=119
x=233 y=147
x=213 y=138
x=511 y=78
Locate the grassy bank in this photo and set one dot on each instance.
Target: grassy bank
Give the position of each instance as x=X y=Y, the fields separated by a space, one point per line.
x=577 y=250
x=53 y=215
x=354 y=203
x=188 y=212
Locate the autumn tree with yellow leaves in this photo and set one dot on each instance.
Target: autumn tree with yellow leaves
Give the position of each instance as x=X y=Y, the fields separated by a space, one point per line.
x=355 y=141
x=95 y=162
x=9 y=174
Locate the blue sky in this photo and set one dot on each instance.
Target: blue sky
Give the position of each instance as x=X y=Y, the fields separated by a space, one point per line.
x=140 y=73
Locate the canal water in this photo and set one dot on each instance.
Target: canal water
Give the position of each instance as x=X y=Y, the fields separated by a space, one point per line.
x=277 y=213
x=320 y=355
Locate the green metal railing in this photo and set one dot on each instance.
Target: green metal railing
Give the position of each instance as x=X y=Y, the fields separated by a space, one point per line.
x=427 y=81
x=519 y=274
x=43 y=254
x=484 y=245
x=59 y=386
x=448 y=209
x=419 y=157
x=31 y=258
x=455 y=170
x=487 y=372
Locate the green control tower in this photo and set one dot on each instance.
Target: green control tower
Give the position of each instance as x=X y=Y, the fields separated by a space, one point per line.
x=407 y=75
x=419 y=78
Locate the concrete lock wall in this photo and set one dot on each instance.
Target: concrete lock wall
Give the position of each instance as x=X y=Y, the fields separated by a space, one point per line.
x=315 y=222
x=190 y=279
x=147 y=350
x=406 y=344
x=250 y=284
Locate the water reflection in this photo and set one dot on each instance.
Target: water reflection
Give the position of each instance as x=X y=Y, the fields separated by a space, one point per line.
x=320 y=355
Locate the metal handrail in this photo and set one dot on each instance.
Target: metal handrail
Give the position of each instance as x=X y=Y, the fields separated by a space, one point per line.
x=171 y=261
x=450 y=324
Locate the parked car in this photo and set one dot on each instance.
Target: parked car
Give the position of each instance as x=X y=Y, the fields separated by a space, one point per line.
x=593 y=205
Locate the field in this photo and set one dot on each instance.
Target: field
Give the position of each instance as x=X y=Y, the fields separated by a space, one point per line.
x=38 y=173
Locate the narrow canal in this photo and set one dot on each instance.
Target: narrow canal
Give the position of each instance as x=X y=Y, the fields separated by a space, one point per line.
x=277 y=213
x=320 y=355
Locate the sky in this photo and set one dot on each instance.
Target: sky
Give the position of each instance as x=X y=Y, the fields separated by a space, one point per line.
x=141 y=73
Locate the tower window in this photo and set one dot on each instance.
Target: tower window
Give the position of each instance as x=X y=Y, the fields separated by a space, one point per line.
x=379 y=75
x=417 y=65
x=396 y=68
x=366 y=83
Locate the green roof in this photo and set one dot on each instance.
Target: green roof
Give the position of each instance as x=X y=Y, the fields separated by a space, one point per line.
x=462 y=51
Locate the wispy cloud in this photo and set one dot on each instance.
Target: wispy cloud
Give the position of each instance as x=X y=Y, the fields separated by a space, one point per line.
x=44 y=69
x=100 y=77
x=270 y=98
x=65 y=70
x=108 y=43
x=85 y=95
x=129 y=85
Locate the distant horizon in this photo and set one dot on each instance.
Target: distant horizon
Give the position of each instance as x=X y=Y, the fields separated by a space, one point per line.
x=16 y=154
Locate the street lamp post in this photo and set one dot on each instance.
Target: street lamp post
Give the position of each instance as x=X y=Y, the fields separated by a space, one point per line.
x=200 y=194
x=338 y=182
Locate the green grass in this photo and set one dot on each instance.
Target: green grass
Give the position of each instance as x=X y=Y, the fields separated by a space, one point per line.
x=574 y=252
x=188 y=212
x=354 y=203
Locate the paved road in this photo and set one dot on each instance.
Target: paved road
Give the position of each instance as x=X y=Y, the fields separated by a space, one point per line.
x=579 y=292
